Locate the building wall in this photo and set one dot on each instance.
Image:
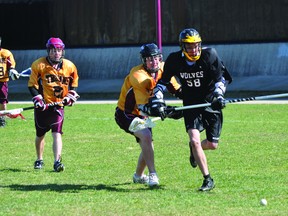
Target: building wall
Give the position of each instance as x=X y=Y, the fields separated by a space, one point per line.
x=259 y=66
x=90 y=23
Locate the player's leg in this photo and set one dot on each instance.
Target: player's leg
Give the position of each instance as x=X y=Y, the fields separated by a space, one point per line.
x=193 y=162
x=39 y=145
x=57 y=145
x=3 y=101
x=139 y=176
x=57 y=151
x=200 y=157
x=147 y=147
x=207 y=145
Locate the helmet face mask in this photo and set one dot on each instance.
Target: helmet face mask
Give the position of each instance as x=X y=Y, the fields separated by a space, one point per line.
x=189 y=39
x=151 y=56
x=55 y=49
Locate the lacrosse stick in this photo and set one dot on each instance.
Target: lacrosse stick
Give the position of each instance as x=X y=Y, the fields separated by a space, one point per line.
x=140 y=124
x=236 y=100
x=14 y=113
x=26 y=72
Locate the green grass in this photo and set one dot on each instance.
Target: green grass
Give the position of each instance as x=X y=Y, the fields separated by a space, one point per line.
x=100 y=159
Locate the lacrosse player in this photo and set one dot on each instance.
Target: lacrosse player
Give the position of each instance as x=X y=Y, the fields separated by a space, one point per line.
x=52 y=79
x=138 y=100
x=203 y=79
x=7 y=69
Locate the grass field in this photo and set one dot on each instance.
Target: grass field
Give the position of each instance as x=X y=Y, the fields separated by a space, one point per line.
x=251 y=163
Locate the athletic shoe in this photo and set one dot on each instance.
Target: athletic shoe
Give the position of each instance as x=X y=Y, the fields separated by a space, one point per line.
x=208 y=184
x=58 y=166
x=2 y=121
x=193 y=161
x=153 y=180
x=140 y=179
x=38 y=164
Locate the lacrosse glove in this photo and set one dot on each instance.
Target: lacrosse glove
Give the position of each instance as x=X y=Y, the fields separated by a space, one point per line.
x=14 y=74
x=218 y=102
x=70 y=98
x=155 y=107
x=179 y=93
x=39 y=103
x=172 y=113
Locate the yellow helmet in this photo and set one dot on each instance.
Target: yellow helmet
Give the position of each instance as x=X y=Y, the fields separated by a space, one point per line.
x=190 y=36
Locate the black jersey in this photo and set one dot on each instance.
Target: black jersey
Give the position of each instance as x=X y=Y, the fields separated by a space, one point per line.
x=197 y=80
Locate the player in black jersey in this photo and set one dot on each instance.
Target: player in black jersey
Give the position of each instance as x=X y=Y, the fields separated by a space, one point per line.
x=203 y=78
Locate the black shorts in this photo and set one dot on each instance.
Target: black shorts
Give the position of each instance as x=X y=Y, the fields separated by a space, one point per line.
x=201 y=119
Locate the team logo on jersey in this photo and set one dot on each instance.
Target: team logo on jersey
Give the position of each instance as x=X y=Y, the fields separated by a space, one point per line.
x=53 y=78
x=195 y=75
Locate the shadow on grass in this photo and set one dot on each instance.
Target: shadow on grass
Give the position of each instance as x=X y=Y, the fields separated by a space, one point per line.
x=74 y=188
x=12 y=170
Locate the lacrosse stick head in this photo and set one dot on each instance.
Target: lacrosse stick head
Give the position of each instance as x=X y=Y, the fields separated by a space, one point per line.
x=139 y=124
x=14 y=113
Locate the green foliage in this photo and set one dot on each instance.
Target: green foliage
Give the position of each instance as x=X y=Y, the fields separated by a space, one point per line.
x=100 y=159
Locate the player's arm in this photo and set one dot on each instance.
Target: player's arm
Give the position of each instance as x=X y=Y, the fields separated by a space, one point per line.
x=218 y=101
x=72 y=96
x=168 y=78
x=33 y=91
x=37 y=99
x=11 y=64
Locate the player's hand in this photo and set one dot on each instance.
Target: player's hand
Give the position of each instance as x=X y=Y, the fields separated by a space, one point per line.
x=14 y=74
x=70 y=98
x=179 y=93
x=155 y=107
x=172 y=113
x=39 y=103
x=218 y=102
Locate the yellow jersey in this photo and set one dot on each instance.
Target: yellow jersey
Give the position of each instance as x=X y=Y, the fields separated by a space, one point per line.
x=7 y=61
x=138 y=88
x=51 y=83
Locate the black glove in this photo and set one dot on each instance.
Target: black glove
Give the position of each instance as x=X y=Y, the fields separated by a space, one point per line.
x=179 y=93
x=155 y=107
x=218 y=102
x=172 y=113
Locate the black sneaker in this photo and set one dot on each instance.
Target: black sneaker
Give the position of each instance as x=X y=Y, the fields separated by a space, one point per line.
x=58 y=166
x=38 y=164
x=193 y=161
x=208 y=184
x=2 y=121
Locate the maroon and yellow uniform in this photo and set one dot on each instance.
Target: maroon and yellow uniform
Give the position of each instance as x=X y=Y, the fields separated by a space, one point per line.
x=138 y=88
x=54 y=83
x=7 y=61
